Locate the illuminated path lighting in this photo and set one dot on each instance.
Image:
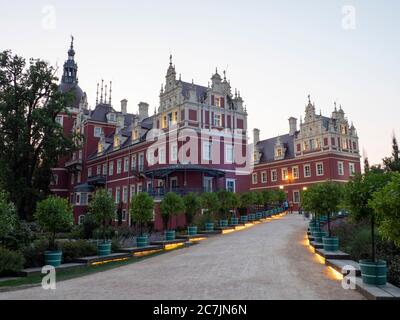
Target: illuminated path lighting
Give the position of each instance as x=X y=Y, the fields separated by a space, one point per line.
x=146 y=253
x=108 y=261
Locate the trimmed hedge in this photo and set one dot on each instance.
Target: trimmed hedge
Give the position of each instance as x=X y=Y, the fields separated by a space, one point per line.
x=10 y=261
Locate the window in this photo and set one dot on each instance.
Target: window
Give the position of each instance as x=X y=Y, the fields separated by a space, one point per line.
x=161 y=156
x=59 y=120
x=278 y=152
x=119 y=166
x=307 y=171
x=141 y=162
x=78 y=178
x=254 y=178
x=109 y=192
x=98 y=170
x=312 y=144
x=340 y=168
x=89 y=172
x=285 y=174
x=208 y=184
x=207 y=151
x=230 y=185
x=97 y=132
x=117 y=195
x=133 y=162
x=54 y=180
x=296 y=196
x=84 y=199
x=174 y=151
x=274 y=175
x=72 y=179
x=217 y=120
x=111 y=168
x=264 y=177
x=104 y=169
x=81 y=218
x=133 y=190
x=124 y=215
x=80 y=154
x=126 y=164
x=139 y=187
x=125 y=194
x=305 y=146
x=352 y=169
x=295 y=172
x=229 y=154
x=320 y=169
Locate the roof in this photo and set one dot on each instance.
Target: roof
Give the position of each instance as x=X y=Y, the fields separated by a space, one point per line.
x=164 y=171
x=75 y=89
x=201 y=91
x=267 y=147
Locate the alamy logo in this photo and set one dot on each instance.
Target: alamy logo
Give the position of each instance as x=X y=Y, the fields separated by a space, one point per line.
x=349 y=18
x=49 y=280
x=349 y=278
x=49 y=17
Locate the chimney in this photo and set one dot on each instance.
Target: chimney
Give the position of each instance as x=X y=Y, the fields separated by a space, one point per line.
x=143 y=110
x=292 y=126
x=124 y=106
x=256 y=134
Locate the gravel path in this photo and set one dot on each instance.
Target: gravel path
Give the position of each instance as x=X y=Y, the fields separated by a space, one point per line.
x=267 y=261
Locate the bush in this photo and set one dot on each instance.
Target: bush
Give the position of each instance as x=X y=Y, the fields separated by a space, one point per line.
x=19 y=237
x=10 y=261
x=77 y=249
x=34 y=253
x=89 y=225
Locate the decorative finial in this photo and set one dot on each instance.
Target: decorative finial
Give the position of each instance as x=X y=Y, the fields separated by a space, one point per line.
x=309 y=99
x=102 y=88
x=180 y=77
x=236 y=93
x=155 y=110
x=192 y=82
x=72 y=41
x=105 y=97
x=225 y=75
x=110 y=93
x=170 y=60
x=97 y=94
x=216 y=70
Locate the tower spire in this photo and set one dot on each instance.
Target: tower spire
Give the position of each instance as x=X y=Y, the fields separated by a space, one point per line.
x=102 y=88
x=70 y=67
x=97 y=94
x=105 y=97
x=110 y=93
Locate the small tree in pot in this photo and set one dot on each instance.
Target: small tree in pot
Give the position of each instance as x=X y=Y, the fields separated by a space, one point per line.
x=311 y=201
x=103 y=208
x=53 y=215
x=171 y=205
x=358 y=192
x=228 y=201
x=246 y=200
x=192 y=207
x=141 y=209
x=210 y=202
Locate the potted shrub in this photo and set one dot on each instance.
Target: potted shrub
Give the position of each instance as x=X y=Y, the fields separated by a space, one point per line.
x=259 y=202
x=171 y=205
x=103 y=208
x=311 y=201
x=227 y=202
x=210 y=202
x=53 y=215
x=245 y=200
x=192 y=207
x=141 y=209
x=358 y=194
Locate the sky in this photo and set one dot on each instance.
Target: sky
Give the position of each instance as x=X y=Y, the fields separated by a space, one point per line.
x=275 y=52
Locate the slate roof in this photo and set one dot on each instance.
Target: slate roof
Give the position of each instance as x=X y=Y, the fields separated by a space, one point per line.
x=201 y=91
x=267 y=148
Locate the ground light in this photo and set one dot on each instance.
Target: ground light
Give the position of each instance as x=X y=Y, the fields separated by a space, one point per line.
x=228 y=231
x=108 y=261
x=197 y=239
x=334 y=274
x=174 y=246
x=146 y=253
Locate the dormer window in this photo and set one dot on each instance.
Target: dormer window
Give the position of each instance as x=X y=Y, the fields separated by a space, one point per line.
x=100 y=148
x=278 y=152
x=116 y=142
x=112 y=117
x=135 y=135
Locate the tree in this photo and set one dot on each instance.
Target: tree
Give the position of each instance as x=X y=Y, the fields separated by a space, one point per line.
x=8 y=217
x=246 y=199
x=385 y=203
x=228 y=201
x=266 y=194
x=277 y=196
x=54 y=215
x=192 y=207
x=258 y=199
x=210 y=202
x=31 y=140
x=392 y=164
x=171 y=205
x=141 y=208
x=103 y=208
x=358 y=191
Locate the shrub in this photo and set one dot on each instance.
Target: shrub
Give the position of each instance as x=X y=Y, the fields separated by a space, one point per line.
x=19 y=237
x=10 y=261
x=142 y=206
x=8 y=216
x=104 y=210
x=192 y=207
x=34 y=253
x=89 y=226
x=76 y=249
x=171 y=205
x=54 y=214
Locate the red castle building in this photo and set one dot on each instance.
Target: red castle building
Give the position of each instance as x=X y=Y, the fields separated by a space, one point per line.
x=195 y=141
x=323 y=148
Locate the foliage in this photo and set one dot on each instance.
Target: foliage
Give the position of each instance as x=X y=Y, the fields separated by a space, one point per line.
x=103 y=209
x=77 y=249
x=210 y=202
x=258 y=198
x=192 y=207
x=8 y=216
x=19 y=237
x=386 y=203
x=392 y=164
x=141 y=208
x=227 y=201
x=31 y=140
x=277 y=196
x=171 y=205
x=89 y=225
x=54 y=215
x=34 y=253
x=246 y=200
x=10 y=261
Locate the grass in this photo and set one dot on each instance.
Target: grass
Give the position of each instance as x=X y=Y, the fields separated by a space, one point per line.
x=62 y=275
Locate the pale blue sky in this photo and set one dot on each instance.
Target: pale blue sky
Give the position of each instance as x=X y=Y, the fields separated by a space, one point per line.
x=275 y=52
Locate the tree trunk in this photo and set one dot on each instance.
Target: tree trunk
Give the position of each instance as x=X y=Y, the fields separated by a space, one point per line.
x=329 y=225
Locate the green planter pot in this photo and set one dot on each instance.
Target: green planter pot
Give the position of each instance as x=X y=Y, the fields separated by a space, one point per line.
x=318 y=235
x=53 y=258
x=192 y=231
x=234 y=221
x=209 y=226
x=142 y=241
x=252 y=217
x=243 y=219
x=331 y=244
x=259 y=215
x=374 y=273
x=314 y=229
x=169 y=235
x=223 y=223
x=104 y=248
